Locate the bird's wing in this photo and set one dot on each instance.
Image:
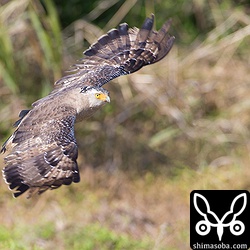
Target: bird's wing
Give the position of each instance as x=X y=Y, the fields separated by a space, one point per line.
x=43 y=151
x=121 y=51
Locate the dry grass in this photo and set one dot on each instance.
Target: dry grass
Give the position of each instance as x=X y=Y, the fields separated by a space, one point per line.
x=180 y=125
x=153 y=209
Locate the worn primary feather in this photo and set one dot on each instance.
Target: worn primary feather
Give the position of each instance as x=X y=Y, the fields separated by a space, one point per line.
x=43 y=149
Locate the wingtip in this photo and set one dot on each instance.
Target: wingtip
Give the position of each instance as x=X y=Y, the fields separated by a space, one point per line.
x=170 y=20
x=4 y=146
x=148 y=24
x=3 y=150
x=168 y=24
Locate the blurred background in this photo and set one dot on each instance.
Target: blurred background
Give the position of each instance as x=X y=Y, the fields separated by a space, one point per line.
x=178 y=125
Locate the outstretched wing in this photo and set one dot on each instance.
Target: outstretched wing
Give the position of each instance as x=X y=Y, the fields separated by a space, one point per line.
x=121 y=51
x=43 y=151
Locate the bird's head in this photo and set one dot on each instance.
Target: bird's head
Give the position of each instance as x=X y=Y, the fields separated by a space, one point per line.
x=88 y=100
x=96 y=96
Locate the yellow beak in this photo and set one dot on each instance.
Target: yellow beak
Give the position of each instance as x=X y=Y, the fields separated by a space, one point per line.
x=104 y=97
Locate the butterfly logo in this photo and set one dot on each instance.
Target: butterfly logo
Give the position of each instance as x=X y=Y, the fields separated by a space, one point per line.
x=203 y=227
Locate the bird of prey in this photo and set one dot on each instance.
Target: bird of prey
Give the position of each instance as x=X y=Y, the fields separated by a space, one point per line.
x=43 y=149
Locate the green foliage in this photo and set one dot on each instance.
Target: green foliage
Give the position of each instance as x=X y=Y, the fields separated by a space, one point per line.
x=31 y=60
x=97 y=237
x=91 y=237
x=30 y=40
x=50 y=40
x=6 y=57
x=46 y=231
x=180 y=125
x=10 y=240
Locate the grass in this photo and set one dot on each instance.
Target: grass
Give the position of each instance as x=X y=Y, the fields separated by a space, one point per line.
x=45 y=236
x=112 y=211
x=174 y=127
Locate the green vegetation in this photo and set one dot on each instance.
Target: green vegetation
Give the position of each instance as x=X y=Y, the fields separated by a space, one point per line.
x=81 y=238
x=180 y=125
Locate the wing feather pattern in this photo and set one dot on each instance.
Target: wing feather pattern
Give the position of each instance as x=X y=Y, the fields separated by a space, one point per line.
x=119 y=52
x=43 y=155
x=43 y=149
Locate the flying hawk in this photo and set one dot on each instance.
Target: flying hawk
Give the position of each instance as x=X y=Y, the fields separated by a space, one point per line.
x=43 y=149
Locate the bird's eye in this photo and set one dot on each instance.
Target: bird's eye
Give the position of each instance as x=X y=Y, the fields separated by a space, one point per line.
x=97 y=95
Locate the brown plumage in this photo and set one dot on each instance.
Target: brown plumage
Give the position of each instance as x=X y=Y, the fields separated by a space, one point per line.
x=43 y=150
